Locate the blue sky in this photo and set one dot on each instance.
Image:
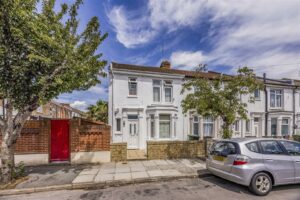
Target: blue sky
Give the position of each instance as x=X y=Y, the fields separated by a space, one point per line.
x=261 y=34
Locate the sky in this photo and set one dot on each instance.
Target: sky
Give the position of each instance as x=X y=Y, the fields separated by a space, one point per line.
x=261 y=34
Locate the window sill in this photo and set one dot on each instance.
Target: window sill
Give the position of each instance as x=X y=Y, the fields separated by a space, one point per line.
x=132 y=96
x=118 y=133
x=276 y=108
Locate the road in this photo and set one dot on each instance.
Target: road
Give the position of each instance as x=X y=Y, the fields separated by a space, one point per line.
x=208 y=188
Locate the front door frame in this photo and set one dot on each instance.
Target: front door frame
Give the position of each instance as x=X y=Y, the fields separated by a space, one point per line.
x=136 y=121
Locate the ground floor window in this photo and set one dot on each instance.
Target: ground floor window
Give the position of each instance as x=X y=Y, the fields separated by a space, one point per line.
x=152 y=126
x=247 y=126
x=285 y=126
x=208 y=126
x=164 y=126
x=237 y=126
x=195 y=125
x=273 y=126
x=118 y=122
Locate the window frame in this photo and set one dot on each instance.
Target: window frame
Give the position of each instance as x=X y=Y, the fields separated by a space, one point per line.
x=276 y=93
x=168 y=85
x=118 y=120
x=206 y=122
x=248 y=124
x=237 y=125
x=169 y=121
x=152 y=126
x=132 y=82
x=160 y=91
x=258 y=98
x=288 y=126
x=195 y=122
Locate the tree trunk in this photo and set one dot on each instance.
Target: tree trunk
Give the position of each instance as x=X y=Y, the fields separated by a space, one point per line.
x=7 y=162
x=227 y=132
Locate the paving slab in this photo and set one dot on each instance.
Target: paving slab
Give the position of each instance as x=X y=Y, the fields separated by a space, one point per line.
x=89 y=171
x=137 y=169
x=123 y=176
x=139 y=175
x=104 y=178
x=84 y=178
x=171 y=172
x=149 y=163
x=160 y=162
x=122 y=170
x=155 y=173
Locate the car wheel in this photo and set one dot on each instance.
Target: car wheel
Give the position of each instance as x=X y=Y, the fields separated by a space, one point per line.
x=261 y=184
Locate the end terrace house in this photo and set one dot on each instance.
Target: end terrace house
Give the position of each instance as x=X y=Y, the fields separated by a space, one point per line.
x=145 y=104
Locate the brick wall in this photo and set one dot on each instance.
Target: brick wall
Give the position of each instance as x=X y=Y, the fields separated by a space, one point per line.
x=118 y=152
x=34 y=137
x=175 y=149
x=84 y=138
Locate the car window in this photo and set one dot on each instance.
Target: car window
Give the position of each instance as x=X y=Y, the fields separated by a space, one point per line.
x=223 y=149
x=253 y=146
x=293 y=148
x=271 y=147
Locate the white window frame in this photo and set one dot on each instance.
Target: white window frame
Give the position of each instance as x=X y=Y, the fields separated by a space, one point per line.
x=248 y=126
x=237 y=126
x=205 y=122
x=285 y=124
x=276 y=93
x=258 y=97
x=131 y=81
x=152 y=126
x=118 y=119
x=195 y=122
x=159 y=87
x=168 y=85
x=160 y=120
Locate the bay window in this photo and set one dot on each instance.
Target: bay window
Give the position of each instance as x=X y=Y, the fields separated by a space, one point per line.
x=237 y=126
x=164 y=126
x=208 y=126
x=152 y=126
x=285 y=127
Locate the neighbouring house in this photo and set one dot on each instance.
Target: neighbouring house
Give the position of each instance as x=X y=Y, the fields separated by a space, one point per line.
x=51 y=110
x=145 y=105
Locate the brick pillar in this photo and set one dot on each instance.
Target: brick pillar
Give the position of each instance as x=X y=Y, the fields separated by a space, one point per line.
x=75 y=134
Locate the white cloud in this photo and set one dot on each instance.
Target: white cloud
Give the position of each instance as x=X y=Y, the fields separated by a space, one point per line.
x=187 y=60
x=131 y=31
x=81 y=105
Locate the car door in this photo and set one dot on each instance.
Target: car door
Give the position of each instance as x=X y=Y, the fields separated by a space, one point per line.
x=278 y=162
x=222 y=155
x=293 y=149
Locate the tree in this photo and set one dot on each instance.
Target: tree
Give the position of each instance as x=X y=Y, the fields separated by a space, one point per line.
x=221 y=96
x=98 y=111
x=42 y=54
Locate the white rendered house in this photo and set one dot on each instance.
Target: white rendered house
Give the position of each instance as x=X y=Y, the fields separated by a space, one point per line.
x=145 y=104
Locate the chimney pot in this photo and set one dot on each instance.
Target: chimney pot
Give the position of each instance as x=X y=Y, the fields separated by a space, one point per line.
x=165 y=64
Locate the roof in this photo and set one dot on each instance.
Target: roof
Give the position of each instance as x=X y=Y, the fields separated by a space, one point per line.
x=192 y=74
x=186 y=73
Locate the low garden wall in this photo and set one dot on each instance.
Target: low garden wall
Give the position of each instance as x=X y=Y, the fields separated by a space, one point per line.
x=175 y=149
x=118 y=152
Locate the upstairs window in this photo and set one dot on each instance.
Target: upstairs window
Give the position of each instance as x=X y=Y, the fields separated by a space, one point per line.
x=168 y=91
x=276 y=98
x=257 y=94
x=156 y=90
x=132 y=85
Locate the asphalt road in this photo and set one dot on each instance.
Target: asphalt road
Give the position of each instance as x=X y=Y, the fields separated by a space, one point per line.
x=208 y=188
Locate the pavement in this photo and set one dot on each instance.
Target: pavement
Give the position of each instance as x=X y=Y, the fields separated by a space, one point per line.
x=134 y=171
x=50 y=178
x=207 y=188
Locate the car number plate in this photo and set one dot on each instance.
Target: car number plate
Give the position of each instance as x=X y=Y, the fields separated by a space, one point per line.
x=219 y=158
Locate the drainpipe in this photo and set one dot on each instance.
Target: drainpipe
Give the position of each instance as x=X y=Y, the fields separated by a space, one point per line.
x=294 y=110
x=266 y=105
x=112 y=101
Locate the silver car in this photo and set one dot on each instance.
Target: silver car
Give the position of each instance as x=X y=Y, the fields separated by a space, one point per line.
x=257 y=163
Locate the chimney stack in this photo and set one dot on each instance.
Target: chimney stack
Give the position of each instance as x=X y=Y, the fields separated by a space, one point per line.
x=165 y=64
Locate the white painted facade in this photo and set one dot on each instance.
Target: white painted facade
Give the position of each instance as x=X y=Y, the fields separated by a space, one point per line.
x=137 y=117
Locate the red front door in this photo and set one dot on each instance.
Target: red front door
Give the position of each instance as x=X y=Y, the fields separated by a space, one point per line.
x=59 y=140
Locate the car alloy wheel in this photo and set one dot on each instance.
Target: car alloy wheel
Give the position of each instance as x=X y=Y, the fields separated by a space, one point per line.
x=262 y=184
